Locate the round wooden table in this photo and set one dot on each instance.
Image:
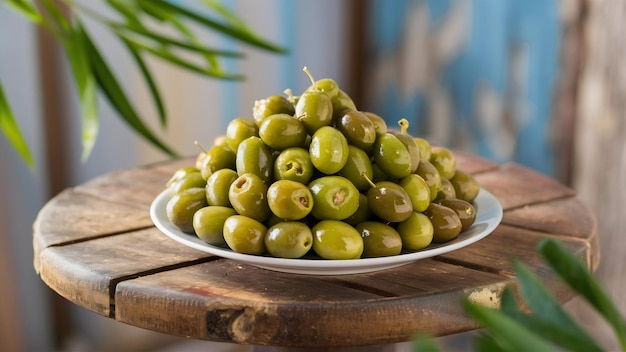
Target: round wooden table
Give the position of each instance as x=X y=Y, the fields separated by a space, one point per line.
x=96 y=245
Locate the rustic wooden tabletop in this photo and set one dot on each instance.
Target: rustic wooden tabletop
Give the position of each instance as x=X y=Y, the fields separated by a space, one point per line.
x=96 y=245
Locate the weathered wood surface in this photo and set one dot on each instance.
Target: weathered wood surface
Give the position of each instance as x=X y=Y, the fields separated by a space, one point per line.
x=95 y=246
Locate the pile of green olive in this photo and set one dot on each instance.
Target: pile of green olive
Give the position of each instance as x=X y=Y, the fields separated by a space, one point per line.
x=313 y=174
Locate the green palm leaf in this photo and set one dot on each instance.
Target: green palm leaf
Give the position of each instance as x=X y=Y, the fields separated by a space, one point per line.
x=12 y=131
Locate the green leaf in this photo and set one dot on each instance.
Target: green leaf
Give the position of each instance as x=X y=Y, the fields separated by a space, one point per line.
x=76 y=51
x=580 y=279
x=12 y=131
x=229 y=30
x=113 y=91
x=424 y=343
x=168 y=56
x=147 y=75
x=485 y=343
x=26 y=9
x=507 y=334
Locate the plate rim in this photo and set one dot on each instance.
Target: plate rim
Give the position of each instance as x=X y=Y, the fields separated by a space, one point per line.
x=327 y=266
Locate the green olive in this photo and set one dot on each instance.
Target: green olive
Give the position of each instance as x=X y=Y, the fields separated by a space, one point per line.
x=239 y=129
x=418 y=191
x=315 y=110
x=289 y=239
x=326 y=85
x=430 y=174
x=416 y=232
x=244 y=235
x=334 y=198
x=447 y=190
x=379 y=123
x=465 y=211
x=248 y=196
x=181 y=207
x=218 y=157
x=208 y=223
x=357 y=128
x=357 y=166
x=328 y=150
x=389 y=201
x=290 y=200
x=391 y=156
x=255 y=157
x=465 y=186
x=446 y=222
x=444 y=161
x=424 y=147
x=333 y=239
x=379 y=240
x=191 y=180
x=411 y=147
x=218 y=186
x=340 y=102
x=362 y=213
x=275 y=104
x=293 y=164
x=281 y=131
x=182 y=172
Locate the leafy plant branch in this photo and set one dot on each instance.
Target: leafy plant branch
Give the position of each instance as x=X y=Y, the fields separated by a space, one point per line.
x=139 y=25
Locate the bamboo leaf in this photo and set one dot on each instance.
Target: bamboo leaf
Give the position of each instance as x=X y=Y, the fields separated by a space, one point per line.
x=578 y=277
x=12 y=131
x=113 y=91
x=229 y=30
x=485 y=343
x=508 y=334
x=168 y=56
x=26 y=9
x=147 y=75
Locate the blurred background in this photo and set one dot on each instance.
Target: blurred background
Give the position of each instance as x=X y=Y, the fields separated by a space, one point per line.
x=537 y=82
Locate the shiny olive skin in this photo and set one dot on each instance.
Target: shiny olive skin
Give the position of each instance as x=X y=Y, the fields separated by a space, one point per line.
x=358 y=168
x=315 y=110
x=411 y=147
x=416 y=232
x=379 y=240
x=465 y=211
x=430 y=174
x=328 y=150
x=357 y=128
x=282 y=131
x=444 y=161
x=275 y=104
x=334 y=198
x=326 y=85
x=218 y=157
x=391 y=156
x=424 y=147
x=181 y=207
x=182 y=172
x=340 y=102
x=238 y=130
x=288 y=239
x=378 y=174
x=465 y=186
x=248 y=196
x=379 y=123
x=191 y=180
x=418 y=191
x=389 y=201
x=362 y=213
x=244 y=235
x=333 y=239
x=218 y=186
x=446 y=222
x=447 y=190
x=208 y=223
x=255 y=157
x=289 y=200
x=293 y=164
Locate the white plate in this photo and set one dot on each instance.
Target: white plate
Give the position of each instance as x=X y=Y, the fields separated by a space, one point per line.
x=488 y=217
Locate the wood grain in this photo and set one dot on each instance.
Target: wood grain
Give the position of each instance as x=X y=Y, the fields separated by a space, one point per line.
x=95 y=245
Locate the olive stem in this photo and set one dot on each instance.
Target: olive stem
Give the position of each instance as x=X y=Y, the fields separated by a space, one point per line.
x=200 y=146
x=289 y=93
x=368 y=179
x=308 y=73
x=404 y=125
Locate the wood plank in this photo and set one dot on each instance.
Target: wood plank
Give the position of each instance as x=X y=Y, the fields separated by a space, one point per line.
x=86 y=272
x=472 y=163
x=515 y=186
x=226 y=301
